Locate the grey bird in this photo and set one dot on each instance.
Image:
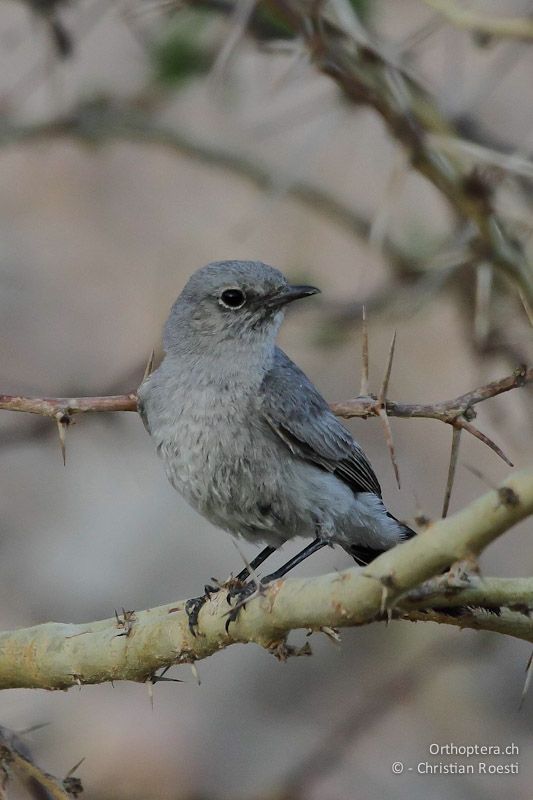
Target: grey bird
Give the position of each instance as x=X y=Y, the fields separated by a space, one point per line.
x=244 y=435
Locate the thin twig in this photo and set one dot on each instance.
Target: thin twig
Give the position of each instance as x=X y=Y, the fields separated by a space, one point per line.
x=365 y=365
x=62 y=423
x=382 y=410
x=529 y=671
x=67 y=406
x=448 y=411
x=382 y=397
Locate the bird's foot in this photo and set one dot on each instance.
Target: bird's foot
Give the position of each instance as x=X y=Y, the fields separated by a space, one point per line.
x=195 y=605
x=242 y=594
x=233 y=587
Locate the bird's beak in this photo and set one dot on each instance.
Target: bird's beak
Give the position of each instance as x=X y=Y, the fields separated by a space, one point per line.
x=290 y=293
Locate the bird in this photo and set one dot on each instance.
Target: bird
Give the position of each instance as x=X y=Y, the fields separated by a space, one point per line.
x=244 y=435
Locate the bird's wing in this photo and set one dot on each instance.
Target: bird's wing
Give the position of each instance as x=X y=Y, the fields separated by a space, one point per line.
x=300 y=416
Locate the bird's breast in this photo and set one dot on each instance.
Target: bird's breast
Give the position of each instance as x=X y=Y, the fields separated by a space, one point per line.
x=210 y=451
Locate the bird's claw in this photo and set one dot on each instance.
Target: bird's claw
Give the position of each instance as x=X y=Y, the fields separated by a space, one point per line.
x=243 y=594
x=233 y=586
x=195 y=605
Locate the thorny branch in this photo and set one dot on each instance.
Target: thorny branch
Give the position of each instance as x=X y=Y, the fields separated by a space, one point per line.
x=57 y=656
x=367 y=76
x=445 y=410
x=456 y=412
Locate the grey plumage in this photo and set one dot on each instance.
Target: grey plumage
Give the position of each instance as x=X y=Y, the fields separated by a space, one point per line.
x=245 y=437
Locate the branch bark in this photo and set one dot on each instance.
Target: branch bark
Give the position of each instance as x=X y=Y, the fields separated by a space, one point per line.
x=58 y=656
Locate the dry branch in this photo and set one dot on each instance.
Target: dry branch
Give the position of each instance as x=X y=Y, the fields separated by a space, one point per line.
x=445 y=410
x=63 y=408
x=367 y=76
x=456 y=412
x=58 y=656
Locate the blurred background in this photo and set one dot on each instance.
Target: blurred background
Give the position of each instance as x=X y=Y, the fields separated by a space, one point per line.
x=141 y=140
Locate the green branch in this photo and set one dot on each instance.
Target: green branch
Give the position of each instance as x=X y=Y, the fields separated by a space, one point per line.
x=134 y=647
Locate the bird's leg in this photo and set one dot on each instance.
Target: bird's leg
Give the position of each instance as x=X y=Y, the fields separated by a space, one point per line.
x=193 y=606
x=254 y=563
x=313 y=547
x=244 y=594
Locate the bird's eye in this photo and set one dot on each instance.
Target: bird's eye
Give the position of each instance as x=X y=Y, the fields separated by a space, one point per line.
x=233 y=298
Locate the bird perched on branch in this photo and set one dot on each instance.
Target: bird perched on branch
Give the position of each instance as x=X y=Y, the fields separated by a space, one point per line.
x=245 y=436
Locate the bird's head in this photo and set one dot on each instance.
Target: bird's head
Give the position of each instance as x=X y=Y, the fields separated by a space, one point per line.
x=239 y=300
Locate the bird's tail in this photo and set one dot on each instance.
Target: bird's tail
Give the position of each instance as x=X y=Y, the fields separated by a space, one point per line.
x=364 y=555
x=407 y=532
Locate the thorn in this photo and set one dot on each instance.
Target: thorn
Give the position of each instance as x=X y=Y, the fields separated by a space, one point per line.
x=196 y=674
x=456 y=440
x=126 y=622
x=77 y=679
x=365 y=368
x=381 y=406
x=382 y=397
x=467 y=426
x=332 y=634
x=529 y=671
x=384 y=417
x=164 y=671
x=62 y=424
x=75 y=767
x=384 y=597
x=150 y=685
x=161 y=677
x=33 y=728
x=149 y=366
